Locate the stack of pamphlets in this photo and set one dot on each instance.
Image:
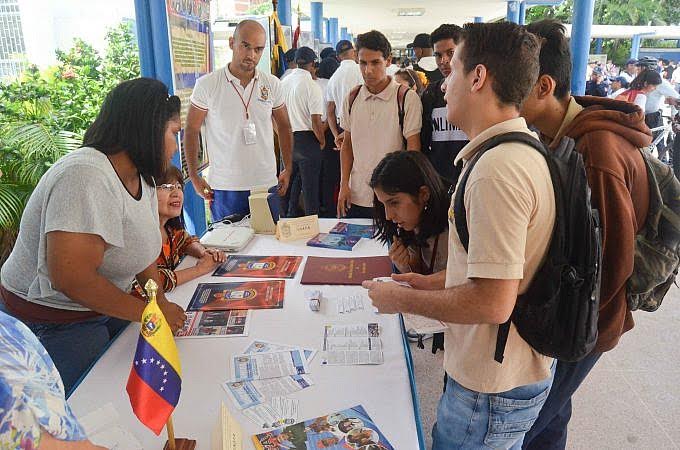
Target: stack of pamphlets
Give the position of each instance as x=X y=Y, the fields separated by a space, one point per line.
x=263 y=376
x=352 y=229
x=334 y=241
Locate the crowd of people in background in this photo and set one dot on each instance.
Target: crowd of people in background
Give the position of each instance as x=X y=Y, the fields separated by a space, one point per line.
x=361 y=136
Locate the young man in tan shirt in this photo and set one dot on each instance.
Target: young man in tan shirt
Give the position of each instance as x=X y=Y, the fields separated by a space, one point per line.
x=510 y=208
x=372 y=127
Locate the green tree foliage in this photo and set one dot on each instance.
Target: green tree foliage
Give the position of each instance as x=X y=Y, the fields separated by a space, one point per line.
x=615 y=12
x=44 y=114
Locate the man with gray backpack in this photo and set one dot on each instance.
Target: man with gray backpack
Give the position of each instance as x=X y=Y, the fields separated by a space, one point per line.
x=637 y=199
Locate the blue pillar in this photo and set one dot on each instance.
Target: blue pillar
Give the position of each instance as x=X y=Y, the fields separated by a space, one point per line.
x=317 y=20
x=284 y=12
x=333 y=36
x=598 y=46
x=522 y=13
x=479 y=19
x=154 y=59
x=512 y=11
x=635 y=48
x=343 y=33
x=582 y=21
x=326 y=30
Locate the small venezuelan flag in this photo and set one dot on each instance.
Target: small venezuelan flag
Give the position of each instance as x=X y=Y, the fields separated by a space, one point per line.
x=156 y=376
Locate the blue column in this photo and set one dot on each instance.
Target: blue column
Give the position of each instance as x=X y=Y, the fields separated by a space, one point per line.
x=582 y=21
x=333 y=36
x=479 y=19
x=513 y=11
x=635 y=48
x=343 y=33
x=598 y=46
x=154 y=59
x=522 y=13
x=326 y=30
x=317 y=20
x=284 y=12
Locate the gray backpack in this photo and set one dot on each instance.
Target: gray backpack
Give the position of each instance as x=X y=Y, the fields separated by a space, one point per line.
x=657 y=245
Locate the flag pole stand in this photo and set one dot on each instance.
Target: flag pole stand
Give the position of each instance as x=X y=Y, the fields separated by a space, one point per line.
x=177 y=444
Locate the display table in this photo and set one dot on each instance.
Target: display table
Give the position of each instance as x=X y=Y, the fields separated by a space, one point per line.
x=386 y=391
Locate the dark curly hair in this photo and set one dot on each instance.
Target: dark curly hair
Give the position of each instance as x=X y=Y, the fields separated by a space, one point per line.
x=376 y=41
x=407 y=172
x=133 y=119
x=446 y=31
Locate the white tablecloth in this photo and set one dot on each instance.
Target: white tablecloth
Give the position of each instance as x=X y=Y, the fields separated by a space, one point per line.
x=384 y=390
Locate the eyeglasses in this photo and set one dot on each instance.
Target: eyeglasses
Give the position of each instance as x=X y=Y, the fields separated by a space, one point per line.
x=169 y=187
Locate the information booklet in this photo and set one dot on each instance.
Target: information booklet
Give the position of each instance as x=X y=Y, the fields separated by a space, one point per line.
x=247 y=266
x=352 y=271
x=259 y=366
x=353 y=229
x=349 y=345
x=334 y=241
x=212 y=324
x=238 y=295
x=350 y=428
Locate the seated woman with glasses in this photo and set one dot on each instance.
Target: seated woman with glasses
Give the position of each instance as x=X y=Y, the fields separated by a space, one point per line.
x=177 y=242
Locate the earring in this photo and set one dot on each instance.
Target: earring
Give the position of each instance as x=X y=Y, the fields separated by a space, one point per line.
x=426 y=206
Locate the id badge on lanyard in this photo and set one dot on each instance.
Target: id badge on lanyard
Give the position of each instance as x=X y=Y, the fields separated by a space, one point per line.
x=249 y=129
x=250 y=132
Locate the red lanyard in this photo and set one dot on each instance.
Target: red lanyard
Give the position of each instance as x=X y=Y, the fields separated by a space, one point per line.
x=245 y=105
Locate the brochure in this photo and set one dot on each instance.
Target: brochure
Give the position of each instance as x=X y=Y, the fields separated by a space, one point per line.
x=350 y=428
x=345 y=345
x=212 y=324
x=334 y=241
x=245 y=394
x=323 y=270
x=258 y=366
x=353 y=229
x=248 y=266
x=238 y=295
x=260 y=346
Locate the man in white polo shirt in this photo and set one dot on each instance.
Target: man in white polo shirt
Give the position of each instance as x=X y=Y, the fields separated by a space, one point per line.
x=304 y=100
x=347 y=76
x=236 y=104
x=372 y=125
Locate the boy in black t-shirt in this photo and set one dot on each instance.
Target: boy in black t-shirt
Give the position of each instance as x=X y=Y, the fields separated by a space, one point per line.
x=441 y=141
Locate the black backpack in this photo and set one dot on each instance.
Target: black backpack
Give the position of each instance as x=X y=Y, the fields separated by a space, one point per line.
x=558 y=313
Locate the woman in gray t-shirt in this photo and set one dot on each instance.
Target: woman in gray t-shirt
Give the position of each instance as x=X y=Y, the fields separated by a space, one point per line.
x=91 y=227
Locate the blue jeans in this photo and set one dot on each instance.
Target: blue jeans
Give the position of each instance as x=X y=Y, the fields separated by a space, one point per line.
x=226 y=203
x=550 y=429
x=74 y=347
x=474 y=421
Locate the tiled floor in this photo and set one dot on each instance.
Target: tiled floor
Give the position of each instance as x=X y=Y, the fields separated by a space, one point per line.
x=631 y=399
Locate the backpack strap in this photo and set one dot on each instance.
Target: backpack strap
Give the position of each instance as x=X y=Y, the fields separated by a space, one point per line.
x=401 y=100
x=353 y=96
x=460 y=214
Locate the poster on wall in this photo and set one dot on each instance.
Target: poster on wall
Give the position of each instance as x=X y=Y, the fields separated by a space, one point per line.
x=189 y=36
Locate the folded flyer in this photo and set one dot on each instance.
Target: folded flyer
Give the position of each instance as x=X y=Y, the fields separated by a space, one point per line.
x=350 y=428
x=212 y=324
x=249 y=266
x=258 y=366
x=238 y=295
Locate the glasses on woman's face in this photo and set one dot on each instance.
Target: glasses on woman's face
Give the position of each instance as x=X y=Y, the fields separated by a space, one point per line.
x=169 y=187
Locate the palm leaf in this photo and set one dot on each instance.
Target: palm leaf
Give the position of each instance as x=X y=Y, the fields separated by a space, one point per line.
x=13 y=199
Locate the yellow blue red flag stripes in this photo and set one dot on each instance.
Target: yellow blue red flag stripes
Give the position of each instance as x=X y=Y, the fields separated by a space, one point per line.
x=155 y=378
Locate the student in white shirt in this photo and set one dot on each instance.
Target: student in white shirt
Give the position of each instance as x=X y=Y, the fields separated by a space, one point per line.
x=236 y=104
x=618 y=86
x=343 y=80
x=304 y=100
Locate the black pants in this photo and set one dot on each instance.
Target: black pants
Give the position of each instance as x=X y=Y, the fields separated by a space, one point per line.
x=360 y=212
x=330 y=177
x=305 y=175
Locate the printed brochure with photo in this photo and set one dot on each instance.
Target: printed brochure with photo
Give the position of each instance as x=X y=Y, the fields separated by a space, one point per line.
x=213 y=324
x=238 y=295
x=248 y=266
